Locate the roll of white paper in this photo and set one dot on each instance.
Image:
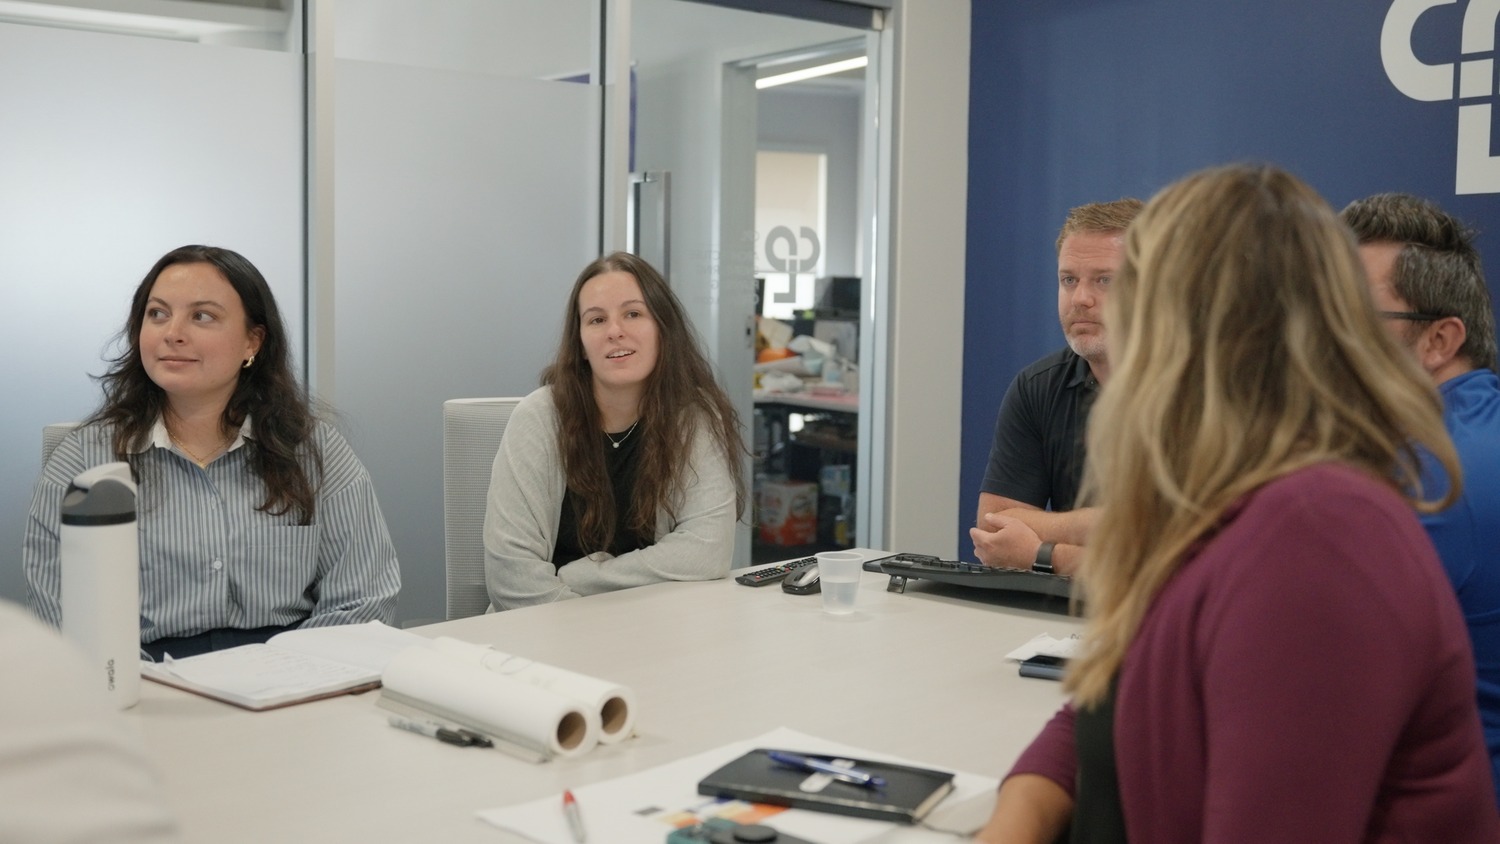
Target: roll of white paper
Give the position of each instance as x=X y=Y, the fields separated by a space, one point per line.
x=494 y=704
x=612 y=704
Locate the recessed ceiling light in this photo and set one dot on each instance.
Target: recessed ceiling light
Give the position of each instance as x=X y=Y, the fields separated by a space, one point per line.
x=812 y=72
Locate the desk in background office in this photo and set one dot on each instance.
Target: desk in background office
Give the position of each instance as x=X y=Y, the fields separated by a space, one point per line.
x=826 y=435
x=844 y=403
x=919 y=675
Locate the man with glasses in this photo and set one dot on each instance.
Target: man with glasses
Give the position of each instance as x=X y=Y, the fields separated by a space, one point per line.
x=1427 y=282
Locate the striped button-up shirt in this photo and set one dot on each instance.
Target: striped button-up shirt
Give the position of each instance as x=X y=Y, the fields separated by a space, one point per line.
x=210 y=559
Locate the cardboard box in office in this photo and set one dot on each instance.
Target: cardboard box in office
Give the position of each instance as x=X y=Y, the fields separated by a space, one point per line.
x=789 y=513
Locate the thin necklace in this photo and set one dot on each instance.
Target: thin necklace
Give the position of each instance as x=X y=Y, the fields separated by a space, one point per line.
x=616 y=443
x=202 y=461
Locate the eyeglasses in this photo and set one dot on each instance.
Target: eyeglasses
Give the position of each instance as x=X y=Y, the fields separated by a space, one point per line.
x=1412 y=316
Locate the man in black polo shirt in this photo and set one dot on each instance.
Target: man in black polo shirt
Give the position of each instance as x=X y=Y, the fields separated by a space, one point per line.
x=1026 y=517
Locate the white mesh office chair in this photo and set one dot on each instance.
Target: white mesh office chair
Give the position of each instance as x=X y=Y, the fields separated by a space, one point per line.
x=54 y=434
x=471 y=435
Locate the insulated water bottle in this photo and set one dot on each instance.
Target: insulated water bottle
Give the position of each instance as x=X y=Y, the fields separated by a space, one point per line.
x=101 y=566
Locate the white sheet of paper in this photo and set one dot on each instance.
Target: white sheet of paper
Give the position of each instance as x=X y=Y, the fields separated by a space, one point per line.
x=1045 y=644
x=261 y=672
x=617 y=810
x=370 y=645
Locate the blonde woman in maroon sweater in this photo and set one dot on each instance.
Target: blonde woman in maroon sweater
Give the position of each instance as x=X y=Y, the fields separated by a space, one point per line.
x=1273 y=650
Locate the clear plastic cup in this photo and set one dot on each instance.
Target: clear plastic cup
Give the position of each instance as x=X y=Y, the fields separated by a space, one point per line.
x=838 y=575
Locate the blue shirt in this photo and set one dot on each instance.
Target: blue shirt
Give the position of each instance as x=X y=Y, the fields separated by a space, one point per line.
x=210 y=559
x=1467 y=535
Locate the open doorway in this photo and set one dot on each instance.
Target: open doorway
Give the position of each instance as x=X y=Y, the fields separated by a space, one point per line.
x=701 y=126
x=809 y=275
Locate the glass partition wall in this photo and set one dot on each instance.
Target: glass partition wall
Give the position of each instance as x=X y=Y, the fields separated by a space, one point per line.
x=420 y=181
x=458 y=155
x=127 y=134
x=466 y=169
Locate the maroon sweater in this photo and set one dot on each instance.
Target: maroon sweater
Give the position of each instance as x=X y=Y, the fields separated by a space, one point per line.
x=1305 y=676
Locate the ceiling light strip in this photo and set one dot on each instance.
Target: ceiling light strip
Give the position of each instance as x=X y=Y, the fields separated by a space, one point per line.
x=812 y=72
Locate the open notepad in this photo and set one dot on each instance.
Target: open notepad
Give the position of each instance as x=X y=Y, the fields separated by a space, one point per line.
x=292 y=667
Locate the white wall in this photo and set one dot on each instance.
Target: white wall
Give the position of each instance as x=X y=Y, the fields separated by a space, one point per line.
x=115 y=150
x=542 y=39
x=465 y=201
x=930 y=159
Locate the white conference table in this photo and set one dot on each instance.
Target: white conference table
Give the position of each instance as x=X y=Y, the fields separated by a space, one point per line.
x=919 y=675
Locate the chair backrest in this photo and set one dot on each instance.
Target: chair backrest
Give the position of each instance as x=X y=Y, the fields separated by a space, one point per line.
x=54 y=434
x=472 y=429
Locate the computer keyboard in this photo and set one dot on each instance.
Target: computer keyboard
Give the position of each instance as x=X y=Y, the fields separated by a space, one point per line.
x=926 y=567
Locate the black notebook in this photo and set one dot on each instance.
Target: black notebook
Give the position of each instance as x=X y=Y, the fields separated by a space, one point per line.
x=907 y=796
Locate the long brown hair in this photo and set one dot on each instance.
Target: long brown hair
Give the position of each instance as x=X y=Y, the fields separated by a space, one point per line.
x=1245 y=347
x=680 y=395
x=284 y=420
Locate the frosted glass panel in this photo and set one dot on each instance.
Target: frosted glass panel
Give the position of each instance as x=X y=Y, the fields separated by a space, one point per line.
x=539 y=39
x=113 y=151
x=466 y=204
x=270 y=25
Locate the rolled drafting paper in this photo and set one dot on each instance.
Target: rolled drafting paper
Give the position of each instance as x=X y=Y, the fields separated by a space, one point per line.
x=613 y=703
x=499 y=706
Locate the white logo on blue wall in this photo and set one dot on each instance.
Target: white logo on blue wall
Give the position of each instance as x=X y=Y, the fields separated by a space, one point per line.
x=1476 y=171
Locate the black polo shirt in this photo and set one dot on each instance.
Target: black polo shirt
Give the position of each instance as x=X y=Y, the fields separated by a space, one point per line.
x=1038 y=453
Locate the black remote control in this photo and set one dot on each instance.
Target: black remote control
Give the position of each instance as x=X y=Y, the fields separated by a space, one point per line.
x=766 y=576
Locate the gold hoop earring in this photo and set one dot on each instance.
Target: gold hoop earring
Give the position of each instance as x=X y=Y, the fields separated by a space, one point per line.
x=246 y=364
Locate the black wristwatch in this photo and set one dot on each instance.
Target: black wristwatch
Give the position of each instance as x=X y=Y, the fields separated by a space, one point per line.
x=1043 y=562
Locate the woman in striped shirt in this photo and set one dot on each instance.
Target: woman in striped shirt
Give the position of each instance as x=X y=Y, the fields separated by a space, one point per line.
x=254 y=515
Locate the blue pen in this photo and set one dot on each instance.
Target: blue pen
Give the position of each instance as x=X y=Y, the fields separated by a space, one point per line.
x=808 y=763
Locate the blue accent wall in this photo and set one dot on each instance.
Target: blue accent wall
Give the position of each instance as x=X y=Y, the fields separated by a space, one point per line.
x=1091 y=100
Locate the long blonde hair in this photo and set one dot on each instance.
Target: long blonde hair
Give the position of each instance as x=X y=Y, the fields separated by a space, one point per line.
x=1245 y=346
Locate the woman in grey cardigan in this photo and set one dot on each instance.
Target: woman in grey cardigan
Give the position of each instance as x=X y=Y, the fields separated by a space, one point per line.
x=623 y=469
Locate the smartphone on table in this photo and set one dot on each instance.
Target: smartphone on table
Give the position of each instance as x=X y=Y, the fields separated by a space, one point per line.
x=1045 y=667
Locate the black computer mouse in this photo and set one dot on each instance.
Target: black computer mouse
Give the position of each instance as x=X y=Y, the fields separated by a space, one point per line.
x=803 y=581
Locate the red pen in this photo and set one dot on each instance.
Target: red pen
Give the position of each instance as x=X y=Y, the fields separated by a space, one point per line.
x=575 y=818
